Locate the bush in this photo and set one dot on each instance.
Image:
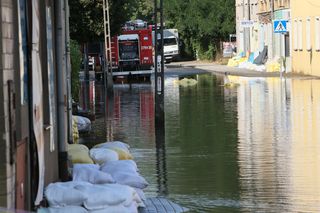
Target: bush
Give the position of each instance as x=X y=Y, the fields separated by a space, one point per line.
x=75 y=56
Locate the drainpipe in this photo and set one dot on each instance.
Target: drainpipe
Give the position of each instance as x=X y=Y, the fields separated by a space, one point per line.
x=61 y=88
x=249 y=29
x=68 y=69
x=272 y=34
x=244 y=30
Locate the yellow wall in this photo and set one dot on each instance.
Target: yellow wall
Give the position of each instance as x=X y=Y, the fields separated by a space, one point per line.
x=307 y=62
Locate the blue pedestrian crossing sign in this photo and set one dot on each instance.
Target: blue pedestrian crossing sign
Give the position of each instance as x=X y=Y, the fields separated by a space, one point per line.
x=280 y=26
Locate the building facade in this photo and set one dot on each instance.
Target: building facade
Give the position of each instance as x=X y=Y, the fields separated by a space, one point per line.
x=261 y=34
x=247 y=37
x=278 y=43
x=33 y=119
x=306 y=37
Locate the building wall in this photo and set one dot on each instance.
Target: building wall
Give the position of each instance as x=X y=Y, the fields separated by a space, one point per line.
x=304 y=59
x=247 y=10
x=7 y=50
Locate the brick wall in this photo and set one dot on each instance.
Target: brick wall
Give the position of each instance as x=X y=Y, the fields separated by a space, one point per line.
x=7 y=36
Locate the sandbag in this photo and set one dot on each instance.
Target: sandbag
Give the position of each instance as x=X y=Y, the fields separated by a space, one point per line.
x=83 y=123
x=102 y=155
x=64 y=194
x=117 y=209
x=122 y=153
x=141 y=194
x=121 y=165
x=67 y=209
x=113 y=144
x=130 y=179
x=91 y=173
x=79 y=153
x=75 y=132
x=106 y=195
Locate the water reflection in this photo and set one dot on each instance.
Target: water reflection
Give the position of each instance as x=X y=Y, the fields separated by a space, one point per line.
x=279 y=145
x=250 y=147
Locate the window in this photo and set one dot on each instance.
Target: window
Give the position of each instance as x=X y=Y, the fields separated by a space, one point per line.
x=308 y=34
x=317 y=33
x=300 y=35
x=295 y=35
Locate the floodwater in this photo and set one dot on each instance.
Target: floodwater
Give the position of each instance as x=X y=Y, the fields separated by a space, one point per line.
x=253 y=146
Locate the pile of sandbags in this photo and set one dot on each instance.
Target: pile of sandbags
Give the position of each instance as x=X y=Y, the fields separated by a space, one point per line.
x=76 y=196
x=104 y=179
x=273 y=66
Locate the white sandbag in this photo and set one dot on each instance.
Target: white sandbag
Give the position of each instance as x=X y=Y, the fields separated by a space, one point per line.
x=121 y=165
x=64 y=194
x=117 y=209
x=91 y=174
x=103 y=196
x=102 y=155
x=83 y=123
x=66 y=209
x=130 y=179
x=113 y=144
x=141 y=194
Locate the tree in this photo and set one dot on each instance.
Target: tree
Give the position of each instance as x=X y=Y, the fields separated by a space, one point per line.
x=202 y=23
x=86 y=18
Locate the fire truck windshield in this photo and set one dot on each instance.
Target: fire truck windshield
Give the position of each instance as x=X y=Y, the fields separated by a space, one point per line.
x=128 y=50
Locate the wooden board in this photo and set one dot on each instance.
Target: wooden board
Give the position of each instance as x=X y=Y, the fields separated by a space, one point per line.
x=161 y=205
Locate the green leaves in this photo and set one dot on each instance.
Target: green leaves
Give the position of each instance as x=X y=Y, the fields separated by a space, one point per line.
x=201 y=23
x=86 y=17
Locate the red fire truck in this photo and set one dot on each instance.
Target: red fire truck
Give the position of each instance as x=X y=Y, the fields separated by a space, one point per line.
x=132 y=50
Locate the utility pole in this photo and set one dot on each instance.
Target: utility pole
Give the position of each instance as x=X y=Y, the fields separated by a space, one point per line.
x=159 y=97
x=159 y=63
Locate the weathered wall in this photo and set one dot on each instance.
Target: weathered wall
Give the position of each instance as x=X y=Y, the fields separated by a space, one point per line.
x=7 y=36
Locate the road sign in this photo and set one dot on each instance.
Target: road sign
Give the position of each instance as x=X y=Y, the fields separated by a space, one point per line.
x=246 y=23
x=280 y=26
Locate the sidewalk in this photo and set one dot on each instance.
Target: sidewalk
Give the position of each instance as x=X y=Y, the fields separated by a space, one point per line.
x=223 y=69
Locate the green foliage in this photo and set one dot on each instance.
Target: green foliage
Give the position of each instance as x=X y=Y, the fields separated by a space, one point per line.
x=75 y=56
x=144 y=11
x=202 y=24
x=86 y=17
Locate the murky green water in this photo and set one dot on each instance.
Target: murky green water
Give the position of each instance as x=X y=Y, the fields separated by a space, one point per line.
x=251 y=147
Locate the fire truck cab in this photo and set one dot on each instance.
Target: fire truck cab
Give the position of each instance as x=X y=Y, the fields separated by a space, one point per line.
x=132 y=49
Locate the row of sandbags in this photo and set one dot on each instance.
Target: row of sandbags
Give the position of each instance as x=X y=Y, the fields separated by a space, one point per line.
x=104 y=179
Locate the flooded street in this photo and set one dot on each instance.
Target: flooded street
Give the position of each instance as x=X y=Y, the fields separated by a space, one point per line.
x=252 y=146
